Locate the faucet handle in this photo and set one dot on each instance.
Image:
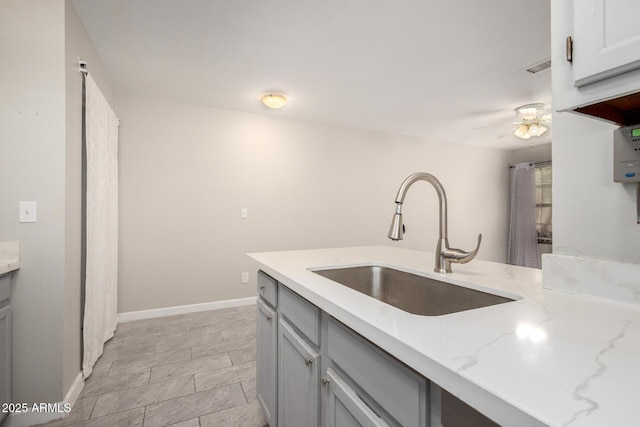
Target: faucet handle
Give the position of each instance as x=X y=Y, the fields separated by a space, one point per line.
x=459 y=256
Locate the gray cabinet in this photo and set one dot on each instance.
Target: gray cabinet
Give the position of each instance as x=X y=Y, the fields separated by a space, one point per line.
x=396 y=392
x=5 y=343
x=344 y=406
x=323 y=373
x=288 y=357
x=267 y=361
x=267 y=348
x=298 y=379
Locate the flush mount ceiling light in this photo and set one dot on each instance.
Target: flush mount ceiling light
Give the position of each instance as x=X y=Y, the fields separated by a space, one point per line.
x=531 y=115
x=274 y=100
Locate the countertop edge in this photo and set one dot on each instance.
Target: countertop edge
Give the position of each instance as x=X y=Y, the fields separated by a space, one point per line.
x=9 y=256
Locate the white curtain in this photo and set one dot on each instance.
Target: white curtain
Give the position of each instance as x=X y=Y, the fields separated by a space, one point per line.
x=100 y=308
x=523 y=236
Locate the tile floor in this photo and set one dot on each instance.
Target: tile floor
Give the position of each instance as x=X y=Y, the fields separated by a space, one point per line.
x=191 y=370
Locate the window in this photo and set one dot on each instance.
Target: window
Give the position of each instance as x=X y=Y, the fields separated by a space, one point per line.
x=543 y=202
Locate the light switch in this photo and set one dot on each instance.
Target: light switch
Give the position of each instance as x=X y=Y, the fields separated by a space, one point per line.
x=244 y=213
x=27 y=212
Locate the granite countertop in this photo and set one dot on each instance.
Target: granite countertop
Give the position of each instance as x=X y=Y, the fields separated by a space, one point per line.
x=548 y=358
x=9 y=256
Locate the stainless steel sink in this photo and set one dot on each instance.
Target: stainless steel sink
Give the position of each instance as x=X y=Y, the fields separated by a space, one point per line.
x=410 y=292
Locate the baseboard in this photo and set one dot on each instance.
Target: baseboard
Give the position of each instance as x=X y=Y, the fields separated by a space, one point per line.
x=183 y=309
x=74 y=390
x=27 y=419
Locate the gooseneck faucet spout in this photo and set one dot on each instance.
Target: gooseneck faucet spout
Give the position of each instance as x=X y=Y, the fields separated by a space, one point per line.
x=444 y=254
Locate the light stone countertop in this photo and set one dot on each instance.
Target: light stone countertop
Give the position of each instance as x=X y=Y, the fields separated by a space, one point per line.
x=9 y=256
x=549 y=358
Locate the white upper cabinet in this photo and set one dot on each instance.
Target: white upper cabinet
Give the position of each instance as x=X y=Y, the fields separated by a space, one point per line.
x=607 y=39
x=606 y=51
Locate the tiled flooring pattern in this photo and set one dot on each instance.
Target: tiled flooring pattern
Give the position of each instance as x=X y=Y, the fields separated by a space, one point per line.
x=190 y=370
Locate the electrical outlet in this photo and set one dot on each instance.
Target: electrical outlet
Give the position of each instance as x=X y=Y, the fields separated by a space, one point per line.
x=245 y=277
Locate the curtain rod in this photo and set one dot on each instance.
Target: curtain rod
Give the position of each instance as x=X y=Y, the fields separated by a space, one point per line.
x=82 y=66
x=545 y=163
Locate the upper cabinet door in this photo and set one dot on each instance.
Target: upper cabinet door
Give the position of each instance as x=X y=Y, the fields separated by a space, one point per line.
x=606 y=39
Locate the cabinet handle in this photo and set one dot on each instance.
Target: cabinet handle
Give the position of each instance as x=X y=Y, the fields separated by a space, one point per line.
x=262 y=288
x=269 y=317
x=325 y=380
x=308 y=361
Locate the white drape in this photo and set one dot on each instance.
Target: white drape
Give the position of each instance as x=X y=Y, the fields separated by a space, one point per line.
x=100 y=308
x=523 y=236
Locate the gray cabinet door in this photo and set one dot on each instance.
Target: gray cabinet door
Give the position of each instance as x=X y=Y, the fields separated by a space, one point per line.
x=267 y=362
x=345 y=408
x=5 y=357
x=299 y=378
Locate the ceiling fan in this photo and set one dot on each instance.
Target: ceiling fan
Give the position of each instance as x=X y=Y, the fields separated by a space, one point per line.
x=531 y=119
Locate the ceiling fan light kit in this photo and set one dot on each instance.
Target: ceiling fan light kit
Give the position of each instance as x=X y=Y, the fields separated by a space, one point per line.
x=531 y=116
x=523 y=132
x=529 y=124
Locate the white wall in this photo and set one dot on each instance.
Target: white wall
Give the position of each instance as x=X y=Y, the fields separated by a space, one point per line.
x=40 y=160
x=596 y=243
x=594 y=217
x=531 y=153
x=32 y=139
x=186 y=172
x=596 y=246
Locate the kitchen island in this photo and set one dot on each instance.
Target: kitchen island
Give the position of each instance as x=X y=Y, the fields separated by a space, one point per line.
x=547 y=358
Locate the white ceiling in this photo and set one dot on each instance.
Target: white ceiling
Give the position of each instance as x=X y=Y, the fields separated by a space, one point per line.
x=432 y=69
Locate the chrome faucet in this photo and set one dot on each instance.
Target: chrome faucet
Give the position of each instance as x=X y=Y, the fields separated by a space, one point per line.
x=444 y=254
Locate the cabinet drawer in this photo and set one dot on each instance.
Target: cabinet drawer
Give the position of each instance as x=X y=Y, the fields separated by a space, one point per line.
x=301 y=313
x=268 y=288
x=395 y=388
x=5 y=289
